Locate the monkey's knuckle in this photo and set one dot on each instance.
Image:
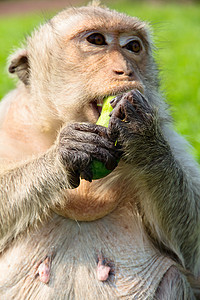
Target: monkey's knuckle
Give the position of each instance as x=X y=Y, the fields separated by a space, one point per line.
x=63 y=141
x=115 y=101
x=66 y=156
x=84 y=160
x=67 y=128
x=101 y=130
x=75 y=126
x=123 y=103
x=63 y=156
x=63 y=136
x=84 y=127
x=70 y=129
x=94 y=138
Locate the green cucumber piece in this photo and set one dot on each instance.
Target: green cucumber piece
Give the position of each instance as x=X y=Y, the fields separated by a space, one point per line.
x=98 y=168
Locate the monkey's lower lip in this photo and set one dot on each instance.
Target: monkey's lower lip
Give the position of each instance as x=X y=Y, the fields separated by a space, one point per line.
x=97 y=108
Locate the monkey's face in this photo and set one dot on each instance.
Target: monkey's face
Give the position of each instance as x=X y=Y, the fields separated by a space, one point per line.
x=108 y=63
x=97 y=53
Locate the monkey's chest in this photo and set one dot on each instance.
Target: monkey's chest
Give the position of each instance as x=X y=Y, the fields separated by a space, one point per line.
x=104 y=259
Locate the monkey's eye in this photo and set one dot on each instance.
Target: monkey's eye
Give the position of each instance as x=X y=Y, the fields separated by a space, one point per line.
x=133 y=46
x=96 y=39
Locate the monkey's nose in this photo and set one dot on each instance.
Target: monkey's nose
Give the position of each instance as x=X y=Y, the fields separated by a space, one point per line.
x=127 y=73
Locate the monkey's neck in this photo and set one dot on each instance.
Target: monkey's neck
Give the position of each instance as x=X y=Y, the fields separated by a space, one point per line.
x=90 y=201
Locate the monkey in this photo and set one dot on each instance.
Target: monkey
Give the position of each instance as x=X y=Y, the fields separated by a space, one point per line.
x=133 y=234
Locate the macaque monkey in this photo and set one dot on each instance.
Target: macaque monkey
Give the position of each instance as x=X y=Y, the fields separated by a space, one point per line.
x=134 y=234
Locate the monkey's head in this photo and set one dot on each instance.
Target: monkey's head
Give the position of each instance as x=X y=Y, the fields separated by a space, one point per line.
x=81 y=56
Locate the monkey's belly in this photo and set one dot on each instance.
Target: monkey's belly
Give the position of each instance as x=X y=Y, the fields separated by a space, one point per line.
x=74 y=249
x=90 y=201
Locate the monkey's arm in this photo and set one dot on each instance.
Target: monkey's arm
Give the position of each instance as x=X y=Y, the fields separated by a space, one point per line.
x=30 y=190
x=168 y=181
x=26 y=193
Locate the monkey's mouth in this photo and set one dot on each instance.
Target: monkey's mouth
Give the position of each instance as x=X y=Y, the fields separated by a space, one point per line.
x=96 y=107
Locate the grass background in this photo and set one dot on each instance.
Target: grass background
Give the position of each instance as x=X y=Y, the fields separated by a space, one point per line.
x=177 y=37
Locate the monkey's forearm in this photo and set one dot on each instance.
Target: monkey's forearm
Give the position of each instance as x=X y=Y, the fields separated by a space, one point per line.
x=26 y=194
x=29 y=191
x=172 y=212
x=168 y=182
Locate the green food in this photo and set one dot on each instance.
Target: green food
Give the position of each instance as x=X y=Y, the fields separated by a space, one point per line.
x=104 y=118
x=98 y=168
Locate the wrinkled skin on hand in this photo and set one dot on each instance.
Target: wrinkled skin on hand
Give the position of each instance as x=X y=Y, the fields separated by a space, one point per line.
x=80 y=144
x=136 y=127
x=132 y=115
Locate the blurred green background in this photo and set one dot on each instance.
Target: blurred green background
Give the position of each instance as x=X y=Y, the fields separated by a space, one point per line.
x=176 y=28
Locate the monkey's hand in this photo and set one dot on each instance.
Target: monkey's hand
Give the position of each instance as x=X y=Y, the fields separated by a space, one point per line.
x=135 y=126
x=79 y=145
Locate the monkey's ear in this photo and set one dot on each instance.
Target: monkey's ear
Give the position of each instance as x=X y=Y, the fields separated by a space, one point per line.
x=20 y=65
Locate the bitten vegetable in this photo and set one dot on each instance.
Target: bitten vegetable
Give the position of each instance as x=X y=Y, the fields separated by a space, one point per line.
x=104 y=118
x=98 y=168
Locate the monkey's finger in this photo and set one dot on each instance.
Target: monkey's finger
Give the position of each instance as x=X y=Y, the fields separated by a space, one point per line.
x=127 y=112
x=130 y=95
x=109 y=160
x=76 y=150
x=114 y=129
x=74 y=138
x=73 y=159
x=140 y=103
x=143 y=113
x=115 y=100
x=118 y=111
x=87 y=174
x=123 y=111
x=136 y=96
x=74 y=179
x=90 y=128
x=78 y=156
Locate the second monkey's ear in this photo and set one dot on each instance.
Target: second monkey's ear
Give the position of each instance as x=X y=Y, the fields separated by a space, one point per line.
x=20 y=65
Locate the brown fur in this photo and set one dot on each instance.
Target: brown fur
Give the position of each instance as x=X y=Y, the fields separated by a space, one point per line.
x=143 y=218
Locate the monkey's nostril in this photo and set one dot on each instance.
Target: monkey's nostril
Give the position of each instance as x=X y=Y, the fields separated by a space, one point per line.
x=119 y=72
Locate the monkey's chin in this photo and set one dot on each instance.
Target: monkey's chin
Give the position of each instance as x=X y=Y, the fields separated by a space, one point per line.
x=85 y=204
